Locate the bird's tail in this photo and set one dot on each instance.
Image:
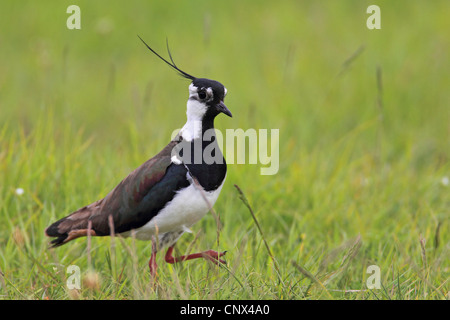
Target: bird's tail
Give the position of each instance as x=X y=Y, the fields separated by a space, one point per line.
x=71 y=227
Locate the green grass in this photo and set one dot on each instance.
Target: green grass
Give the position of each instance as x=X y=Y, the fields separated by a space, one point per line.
x=363 y=154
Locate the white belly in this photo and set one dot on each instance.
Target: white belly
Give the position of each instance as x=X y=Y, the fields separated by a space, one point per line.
x=186 y=208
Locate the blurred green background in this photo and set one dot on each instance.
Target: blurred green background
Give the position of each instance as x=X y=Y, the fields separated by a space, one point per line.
x=363 y=118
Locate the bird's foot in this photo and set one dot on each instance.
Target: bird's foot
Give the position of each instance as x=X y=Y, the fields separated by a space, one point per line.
x=211 y=255
x=214 y=256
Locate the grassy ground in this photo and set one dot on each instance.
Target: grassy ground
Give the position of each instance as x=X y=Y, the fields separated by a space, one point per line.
x=364 y=145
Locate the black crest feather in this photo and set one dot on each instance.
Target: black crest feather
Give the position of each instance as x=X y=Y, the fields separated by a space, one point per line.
x=173 y=65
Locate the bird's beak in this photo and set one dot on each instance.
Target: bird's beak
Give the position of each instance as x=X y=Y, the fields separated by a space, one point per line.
x=223 y=108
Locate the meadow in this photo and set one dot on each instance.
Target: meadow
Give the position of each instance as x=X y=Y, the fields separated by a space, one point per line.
x=364 y=146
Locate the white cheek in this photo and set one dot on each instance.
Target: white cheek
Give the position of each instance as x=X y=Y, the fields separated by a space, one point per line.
x=195 y=110
x=193 y=127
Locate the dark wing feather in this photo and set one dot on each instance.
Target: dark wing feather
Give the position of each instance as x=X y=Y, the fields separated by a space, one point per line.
x=132 y=203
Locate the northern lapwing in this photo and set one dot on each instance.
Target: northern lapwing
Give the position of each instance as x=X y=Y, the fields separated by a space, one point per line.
x=166 y=195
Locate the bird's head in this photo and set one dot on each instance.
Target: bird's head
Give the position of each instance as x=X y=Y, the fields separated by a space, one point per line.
x=206 y=99
x=205 y=96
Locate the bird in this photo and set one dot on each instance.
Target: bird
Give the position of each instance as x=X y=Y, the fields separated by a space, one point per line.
x=167 y=194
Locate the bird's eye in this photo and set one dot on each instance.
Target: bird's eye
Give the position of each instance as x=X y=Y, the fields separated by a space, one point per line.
x=202 y=94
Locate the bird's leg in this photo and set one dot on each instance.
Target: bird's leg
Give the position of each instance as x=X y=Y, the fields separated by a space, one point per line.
x=211 y=255
x=152 y=263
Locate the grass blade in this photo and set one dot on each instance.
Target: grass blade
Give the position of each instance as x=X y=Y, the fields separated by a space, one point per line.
x=246 y=203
